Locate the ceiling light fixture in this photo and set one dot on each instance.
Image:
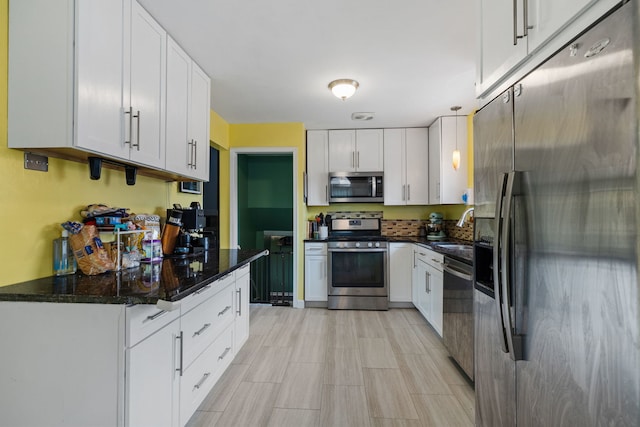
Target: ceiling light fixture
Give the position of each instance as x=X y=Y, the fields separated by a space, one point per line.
x=343 y=88
x=456 y=152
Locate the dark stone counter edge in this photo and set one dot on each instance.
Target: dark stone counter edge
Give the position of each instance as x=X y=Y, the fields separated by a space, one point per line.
x=127 y=300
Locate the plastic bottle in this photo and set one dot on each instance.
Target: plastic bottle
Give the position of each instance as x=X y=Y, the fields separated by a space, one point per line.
x=63 y=260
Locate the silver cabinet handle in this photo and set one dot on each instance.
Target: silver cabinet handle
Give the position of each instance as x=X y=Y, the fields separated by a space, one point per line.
x=199 y=291
x=408 y=192
x=201 y=330
x=239 y=311
x=358 y=160
x=224 y=353
x=404 y=192
x=179 y=337
x=190 y=147
x=353 y=159
x=202 y=380
x=326 y=193
x=224 y=311
x=525 y=21
x=195 y=154
x=130 y=113
x=155 y=316
x=137 y=144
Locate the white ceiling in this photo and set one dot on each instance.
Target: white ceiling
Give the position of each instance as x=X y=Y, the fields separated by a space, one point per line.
x=271 y=60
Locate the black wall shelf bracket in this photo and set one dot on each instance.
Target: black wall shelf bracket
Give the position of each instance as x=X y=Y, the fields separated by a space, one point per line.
x=95 y=169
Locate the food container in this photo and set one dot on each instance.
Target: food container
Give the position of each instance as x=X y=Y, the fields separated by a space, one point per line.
x=152 y=249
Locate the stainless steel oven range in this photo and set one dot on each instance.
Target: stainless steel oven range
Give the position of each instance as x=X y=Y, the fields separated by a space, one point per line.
x=357 y=265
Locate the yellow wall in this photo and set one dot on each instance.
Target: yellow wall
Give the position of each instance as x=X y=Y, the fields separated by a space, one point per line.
x=35 y=203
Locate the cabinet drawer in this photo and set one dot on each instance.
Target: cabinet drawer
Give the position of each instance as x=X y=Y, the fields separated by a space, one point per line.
x=143 y=320
x=199 y=378
x=315 y=248
x=205 y=322
x=243 y=271
x=203 y=294
x=429 y=257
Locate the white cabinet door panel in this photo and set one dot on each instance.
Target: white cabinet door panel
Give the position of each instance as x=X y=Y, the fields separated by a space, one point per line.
x=369 y=150
x=342 y=150
x=417 y=166
x=394 y=167
x=148 y=68
x=317 y=168
x=100 y=61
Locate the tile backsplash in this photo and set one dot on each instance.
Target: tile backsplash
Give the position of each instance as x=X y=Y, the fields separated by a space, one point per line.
x=392 y=227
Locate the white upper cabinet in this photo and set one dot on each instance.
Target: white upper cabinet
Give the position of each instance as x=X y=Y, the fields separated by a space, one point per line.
x=100 y=79
x=517 y=35
x=342 y=150
x=446 y=185
x=147 y=73
x=88 y=78
x=369 y=150
x=406 y=154
x=417 y=171
x=500 y=47
x=187 y=115
x=317 y=167
x=358 y=150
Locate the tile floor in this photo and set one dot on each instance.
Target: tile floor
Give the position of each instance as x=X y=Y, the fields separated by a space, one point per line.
x=318 y=367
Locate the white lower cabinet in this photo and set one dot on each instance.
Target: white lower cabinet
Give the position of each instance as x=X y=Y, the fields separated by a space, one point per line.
x=241 y=324
x=400 y=256
x=153 y=379
x=427 y=285
x=315 y=271
x=199 y=378
x=115 y=365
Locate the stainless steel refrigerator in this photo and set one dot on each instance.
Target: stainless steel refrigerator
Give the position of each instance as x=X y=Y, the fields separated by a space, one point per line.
x=556 y=299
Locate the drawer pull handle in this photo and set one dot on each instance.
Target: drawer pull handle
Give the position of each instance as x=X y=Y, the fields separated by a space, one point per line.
x=224 y=311
x=155 y=316
x=199 y=291
x=204 y=328
x=181 y=338
x=224 y=353
x=202 y=380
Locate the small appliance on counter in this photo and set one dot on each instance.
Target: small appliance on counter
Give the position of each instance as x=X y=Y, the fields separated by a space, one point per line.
x=435 y=227
x=192 y=239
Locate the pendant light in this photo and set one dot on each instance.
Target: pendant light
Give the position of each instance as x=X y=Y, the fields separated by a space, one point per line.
x=456 y=153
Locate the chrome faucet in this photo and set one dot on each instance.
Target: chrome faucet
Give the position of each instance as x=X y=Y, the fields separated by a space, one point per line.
x=463 y=218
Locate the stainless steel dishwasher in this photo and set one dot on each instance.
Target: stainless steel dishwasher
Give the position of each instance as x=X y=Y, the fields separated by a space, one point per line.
x=457 y=318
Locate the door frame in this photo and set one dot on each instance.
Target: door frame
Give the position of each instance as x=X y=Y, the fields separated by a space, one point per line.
x=233 y=202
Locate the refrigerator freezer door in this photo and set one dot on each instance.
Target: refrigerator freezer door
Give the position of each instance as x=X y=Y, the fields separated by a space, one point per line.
x=576 y=141
x=493 y=151
x=495 y=372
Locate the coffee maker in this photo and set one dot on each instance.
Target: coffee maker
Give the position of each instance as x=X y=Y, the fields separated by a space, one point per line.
x=192 y=238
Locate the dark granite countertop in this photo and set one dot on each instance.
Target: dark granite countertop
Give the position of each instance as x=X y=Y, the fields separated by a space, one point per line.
x=465 y=256
x=170 y=280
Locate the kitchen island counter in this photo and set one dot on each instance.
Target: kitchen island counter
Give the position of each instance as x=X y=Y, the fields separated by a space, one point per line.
x=170 y=280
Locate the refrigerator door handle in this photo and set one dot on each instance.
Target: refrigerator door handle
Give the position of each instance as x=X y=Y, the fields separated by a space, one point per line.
x=513 y=342
x=497 y=261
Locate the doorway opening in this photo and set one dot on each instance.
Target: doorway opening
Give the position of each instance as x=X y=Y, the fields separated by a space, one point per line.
x=264 y=209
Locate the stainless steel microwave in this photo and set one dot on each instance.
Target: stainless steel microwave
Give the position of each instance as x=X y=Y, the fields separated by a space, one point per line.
x=356 y=187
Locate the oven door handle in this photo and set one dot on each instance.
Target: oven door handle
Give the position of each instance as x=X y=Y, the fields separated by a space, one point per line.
x=455 y=272
x=358 y=250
